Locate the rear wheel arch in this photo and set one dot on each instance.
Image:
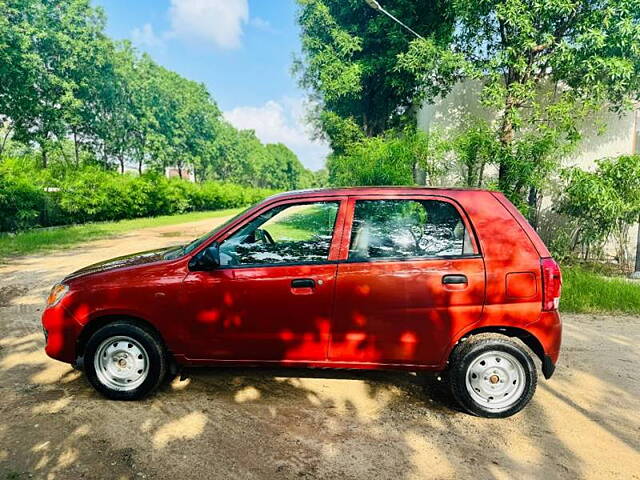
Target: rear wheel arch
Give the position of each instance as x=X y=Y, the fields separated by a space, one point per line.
x=523 y=335
x=492 y=375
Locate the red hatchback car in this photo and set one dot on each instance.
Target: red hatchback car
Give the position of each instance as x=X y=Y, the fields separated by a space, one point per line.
x=368 y=278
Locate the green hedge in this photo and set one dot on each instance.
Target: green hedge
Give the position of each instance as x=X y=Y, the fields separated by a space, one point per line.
x=38 y=198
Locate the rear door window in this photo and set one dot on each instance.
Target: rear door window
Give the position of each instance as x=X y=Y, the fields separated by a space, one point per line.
x=407 y=229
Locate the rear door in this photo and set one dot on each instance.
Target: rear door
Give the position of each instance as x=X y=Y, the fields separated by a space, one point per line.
x=412 y=275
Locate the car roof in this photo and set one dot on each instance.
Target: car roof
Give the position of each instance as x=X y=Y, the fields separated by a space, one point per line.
x=339 y=191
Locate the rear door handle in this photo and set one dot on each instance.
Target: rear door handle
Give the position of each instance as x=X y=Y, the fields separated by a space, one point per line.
x=303 y=283
x=454 y=279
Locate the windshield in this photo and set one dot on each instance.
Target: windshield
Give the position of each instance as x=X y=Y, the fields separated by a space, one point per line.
x=190 y=247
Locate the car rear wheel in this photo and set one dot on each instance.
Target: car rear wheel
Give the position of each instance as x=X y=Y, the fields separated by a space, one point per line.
x=125 y=361
x=492 y=376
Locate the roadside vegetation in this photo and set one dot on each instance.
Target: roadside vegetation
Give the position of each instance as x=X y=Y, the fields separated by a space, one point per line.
x=47 y=239
x=587 y=291
x=31 y=197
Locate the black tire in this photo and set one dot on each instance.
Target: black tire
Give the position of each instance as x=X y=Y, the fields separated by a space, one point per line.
x=472 y=349
x=147 y=339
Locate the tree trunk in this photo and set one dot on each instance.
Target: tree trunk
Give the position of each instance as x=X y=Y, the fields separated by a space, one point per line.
x=480 y=175
x=62 y=152
x=419 y=175
x=4 y=140
x=44 y=156
x=121 y=160
x=637 y=269
x=105 y=158
x=140 y=166
x=506 y=139
x=533 y=207
x=75 y=147
x=180 y=171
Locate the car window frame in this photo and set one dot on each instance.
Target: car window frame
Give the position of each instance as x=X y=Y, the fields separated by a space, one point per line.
x=336 y=239
x=351 y=204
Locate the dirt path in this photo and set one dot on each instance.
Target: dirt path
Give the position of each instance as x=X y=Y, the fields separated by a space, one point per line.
x=230 y=423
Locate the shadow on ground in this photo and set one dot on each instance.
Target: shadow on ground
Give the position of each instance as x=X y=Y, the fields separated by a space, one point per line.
x=292 y=423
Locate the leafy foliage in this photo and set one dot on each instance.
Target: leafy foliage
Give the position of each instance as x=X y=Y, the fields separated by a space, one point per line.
x=543 y=66
x=390 y=160
x=350 y=63
x=31 y=197
x=604 y=203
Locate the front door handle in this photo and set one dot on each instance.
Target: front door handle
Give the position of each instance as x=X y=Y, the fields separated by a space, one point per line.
x=303 y=283
x=454 y=280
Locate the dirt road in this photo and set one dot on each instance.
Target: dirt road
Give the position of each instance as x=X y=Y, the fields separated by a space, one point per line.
x=230 y=423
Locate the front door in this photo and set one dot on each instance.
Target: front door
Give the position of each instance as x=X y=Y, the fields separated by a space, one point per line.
x=271 y=299
x=413 y=276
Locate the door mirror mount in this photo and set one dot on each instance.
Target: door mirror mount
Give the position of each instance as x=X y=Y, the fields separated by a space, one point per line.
x=206 y=260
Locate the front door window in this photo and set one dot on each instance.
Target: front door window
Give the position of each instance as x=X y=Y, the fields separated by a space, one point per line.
x=286 y=234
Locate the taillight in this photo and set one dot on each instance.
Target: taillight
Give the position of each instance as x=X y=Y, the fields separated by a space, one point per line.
x=551 y=284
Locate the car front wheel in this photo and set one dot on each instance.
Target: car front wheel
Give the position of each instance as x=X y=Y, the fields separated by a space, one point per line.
x=492 y=376
x=124 y=361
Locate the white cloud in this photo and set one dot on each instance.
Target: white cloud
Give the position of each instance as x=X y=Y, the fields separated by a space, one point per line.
x=262 y=24
x=219 y=22
x=282 y=122
x=146 y=37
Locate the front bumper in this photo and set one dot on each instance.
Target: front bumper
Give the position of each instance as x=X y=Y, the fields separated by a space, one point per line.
x=61 y=333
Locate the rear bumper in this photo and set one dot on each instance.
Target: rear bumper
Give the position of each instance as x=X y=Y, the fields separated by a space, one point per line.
x=548 y=330
x=548 y=367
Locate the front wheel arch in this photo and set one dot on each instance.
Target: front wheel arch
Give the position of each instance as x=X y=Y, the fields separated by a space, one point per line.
x=97 y=323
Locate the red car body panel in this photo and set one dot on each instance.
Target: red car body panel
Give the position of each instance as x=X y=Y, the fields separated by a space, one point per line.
x=361 y=314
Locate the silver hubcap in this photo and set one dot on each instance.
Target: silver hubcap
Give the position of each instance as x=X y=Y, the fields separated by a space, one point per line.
x=496 y=380
x=121 y=363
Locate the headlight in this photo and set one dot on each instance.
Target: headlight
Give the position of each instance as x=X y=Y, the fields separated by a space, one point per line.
x=57 y=293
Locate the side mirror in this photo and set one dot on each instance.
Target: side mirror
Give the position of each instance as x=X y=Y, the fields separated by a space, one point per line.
x=206 y=260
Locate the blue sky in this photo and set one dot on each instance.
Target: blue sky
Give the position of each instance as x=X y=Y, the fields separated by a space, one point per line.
x=241 y=49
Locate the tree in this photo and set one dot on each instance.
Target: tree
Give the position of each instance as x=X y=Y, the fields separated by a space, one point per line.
x=623 y=173
x=50 y=51
x=73 y=93
x=282 y=169
x=350 y=64
x=604 y=202
x=474 y=148
x=181 y=118
x=390 y=160
x=18 y=65
x=543 y=66
x=230 y=156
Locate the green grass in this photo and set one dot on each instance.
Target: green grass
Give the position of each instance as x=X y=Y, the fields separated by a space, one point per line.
x=39 y=240
x=584 y=291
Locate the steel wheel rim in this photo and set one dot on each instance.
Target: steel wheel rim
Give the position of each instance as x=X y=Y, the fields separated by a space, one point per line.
x=496 y=380
x=121 y=363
